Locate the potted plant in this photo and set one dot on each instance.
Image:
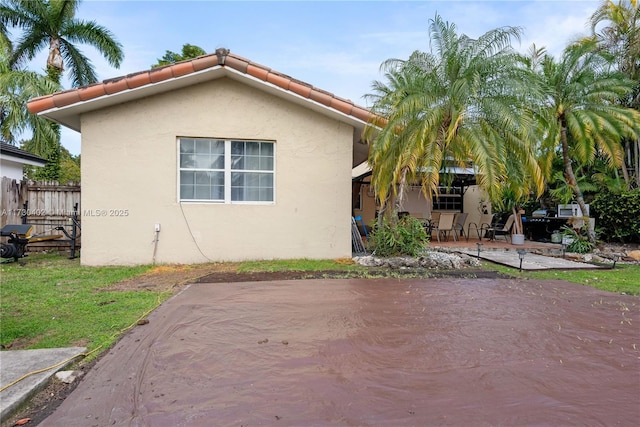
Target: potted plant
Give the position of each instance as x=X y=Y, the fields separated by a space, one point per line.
x=511 y=200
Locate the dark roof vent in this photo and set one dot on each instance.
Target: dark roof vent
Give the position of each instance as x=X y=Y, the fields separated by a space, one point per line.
x=222 y=53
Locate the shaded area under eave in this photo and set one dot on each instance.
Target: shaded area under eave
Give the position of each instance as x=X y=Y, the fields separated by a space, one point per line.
x=456 y=176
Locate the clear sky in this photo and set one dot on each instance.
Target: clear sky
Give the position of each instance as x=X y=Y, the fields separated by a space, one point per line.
x=337 y=46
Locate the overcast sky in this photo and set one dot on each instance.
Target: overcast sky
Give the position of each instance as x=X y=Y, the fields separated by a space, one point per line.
x=337 y=46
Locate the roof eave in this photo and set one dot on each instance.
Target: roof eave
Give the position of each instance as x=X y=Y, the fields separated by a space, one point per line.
x=22 y=161
x=320 y=107
x=70 y=116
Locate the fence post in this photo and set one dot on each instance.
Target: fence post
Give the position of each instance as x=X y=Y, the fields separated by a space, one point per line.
x=74 y=230
x=23 y=214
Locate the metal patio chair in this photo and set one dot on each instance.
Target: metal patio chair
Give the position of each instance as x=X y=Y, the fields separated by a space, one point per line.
x=445 y=226
x=481 y=226
x=458 y=224
x=502 y=230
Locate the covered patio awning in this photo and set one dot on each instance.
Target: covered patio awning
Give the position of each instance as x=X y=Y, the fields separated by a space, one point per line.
x=460 y=177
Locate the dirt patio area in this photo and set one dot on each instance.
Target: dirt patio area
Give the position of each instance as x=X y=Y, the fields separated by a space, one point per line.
x=448 y=351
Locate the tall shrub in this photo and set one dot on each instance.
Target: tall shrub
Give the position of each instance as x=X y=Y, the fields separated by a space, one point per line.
x=618 y=215
x=406 y=236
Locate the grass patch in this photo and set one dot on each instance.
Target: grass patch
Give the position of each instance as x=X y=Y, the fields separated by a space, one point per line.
x=625 y=278
x=49 y=301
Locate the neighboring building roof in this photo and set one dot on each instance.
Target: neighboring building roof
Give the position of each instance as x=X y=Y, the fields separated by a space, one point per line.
x=11 y=152
x=67 y=106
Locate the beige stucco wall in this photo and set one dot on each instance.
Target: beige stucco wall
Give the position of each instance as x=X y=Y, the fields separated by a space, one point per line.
x=129 y=163
x=474 y=200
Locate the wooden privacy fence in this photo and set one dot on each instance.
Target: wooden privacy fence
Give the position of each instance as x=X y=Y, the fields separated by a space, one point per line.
x=43 y=204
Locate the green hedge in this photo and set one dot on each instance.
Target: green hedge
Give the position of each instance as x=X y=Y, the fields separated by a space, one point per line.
x=617 y=216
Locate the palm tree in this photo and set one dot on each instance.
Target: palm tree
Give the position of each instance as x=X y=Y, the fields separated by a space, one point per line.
x=578 y=110
x=16 y=88
x=393 y=154
x=52 y=23
x=621 y=38
x=460 y=103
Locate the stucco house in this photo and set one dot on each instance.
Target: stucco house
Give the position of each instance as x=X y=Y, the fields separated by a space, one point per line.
x=13 y=160
x=212 y=159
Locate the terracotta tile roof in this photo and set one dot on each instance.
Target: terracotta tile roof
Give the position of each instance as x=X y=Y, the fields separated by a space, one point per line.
x=222 y=58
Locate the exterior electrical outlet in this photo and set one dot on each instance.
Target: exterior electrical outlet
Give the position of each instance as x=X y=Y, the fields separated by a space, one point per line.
x=157 y=227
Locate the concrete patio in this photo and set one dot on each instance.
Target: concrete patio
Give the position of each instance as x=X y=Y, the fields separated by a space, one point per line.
x=538 y=255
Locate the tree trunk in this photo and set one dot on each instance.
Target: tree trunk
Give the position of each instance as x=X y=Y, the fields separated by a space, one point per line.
x=399 y=202
x=636 y=163
x=54 y=71
x=573 y=183
x=383 y=208
x=55 y=57
x=629 y=157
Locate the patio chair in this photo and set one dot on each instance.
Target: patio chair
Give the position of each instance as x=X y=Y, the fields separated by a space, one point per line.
x=502 y=230
x=481 y=226
x=458 y=223
x=445 y=226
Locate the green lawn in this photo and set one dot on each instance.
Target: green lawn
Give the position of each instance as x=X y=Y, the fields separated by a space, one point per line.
x=50 y=301
x=624 y=278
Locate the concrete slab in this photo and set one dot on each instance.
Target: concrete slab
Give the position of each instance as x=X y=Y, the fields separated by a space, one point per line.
x=530 y=261
x=16 y=364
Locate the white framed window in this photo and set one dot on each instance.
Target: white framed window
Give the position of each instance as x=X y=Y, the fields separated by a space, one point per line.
x=226 y=170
